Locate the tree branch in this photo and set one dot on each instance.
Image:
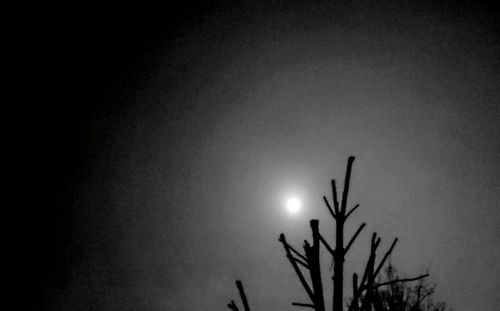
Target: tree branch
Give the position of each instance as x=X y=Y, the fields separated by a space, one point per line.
x=329 y=207
x=354 y=282
x=354 y=237
x=292 y=249
x=243 y=296
x=346 y=184
x=352 y=210
x=355 y=293
x=335 y=198
x=379 y=267
x=232 y=306
x=400 y=280
x=307 y=305
x=295 y=267
x=371 y=259
x=328 y=247
x=304 y=264
x=297 y=253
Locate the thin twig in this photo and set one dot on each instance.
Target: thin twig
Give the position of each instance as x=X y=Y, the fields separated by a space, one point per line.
x=352 y=210
x=232 y=306
x=379 y=267
x=305 y=265
x=307 y=305
x=297 y=253
x=400 y=280
x=329 y=207
x=354 y=237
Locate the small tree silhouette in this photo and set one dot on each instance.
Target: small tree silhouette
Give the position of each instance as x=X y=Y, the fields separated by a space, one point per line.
x=398 y=296
x=366 y=295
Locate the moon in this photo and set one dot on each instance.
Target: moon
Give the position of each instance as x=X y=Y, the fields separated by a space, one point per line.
x=293 y=205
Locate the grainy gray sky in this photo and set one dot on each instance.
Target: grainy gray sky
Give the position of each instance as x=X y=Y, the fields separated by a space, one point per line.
x=183 y=187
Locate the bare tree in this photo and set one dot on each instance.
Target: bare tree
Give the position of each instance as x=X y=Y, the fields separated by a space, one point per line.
x=365 y=290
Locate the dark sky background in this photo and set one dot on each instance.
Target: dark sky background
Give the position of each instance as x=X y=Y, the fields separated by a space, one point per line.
x=168 y=140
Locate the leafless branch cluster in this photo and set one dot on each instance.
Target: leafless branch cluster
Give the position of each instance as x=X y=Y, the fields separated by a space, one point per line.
x=308 y=263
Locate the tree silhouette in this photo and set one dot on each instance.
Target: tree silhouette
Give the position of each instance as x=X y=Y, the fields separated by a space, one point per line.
x=398 y=296
x=367 y=293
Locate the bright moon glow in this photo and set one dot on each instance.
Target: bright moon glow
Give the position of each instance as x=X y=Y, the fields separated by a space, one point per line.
x=293 y=205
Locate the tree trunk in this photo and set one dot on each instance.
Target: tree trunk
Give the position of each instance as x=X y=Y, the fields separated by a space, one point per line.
x=338 y=269
x=315 y=267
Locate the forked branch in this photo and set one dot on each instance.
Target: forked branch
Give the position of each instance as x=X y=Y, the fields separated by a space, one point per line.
x=290 y=257
x=243 y=296
x=232 y=305
x=367 y=284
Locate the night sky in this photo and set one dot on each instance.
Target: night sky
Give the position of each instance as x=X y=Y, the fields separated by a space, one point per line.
x=165 y=143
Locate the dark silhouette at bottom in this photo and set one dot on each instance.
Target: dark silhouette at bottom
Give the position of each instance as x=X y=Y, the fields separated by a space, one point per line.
x=369 y=292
